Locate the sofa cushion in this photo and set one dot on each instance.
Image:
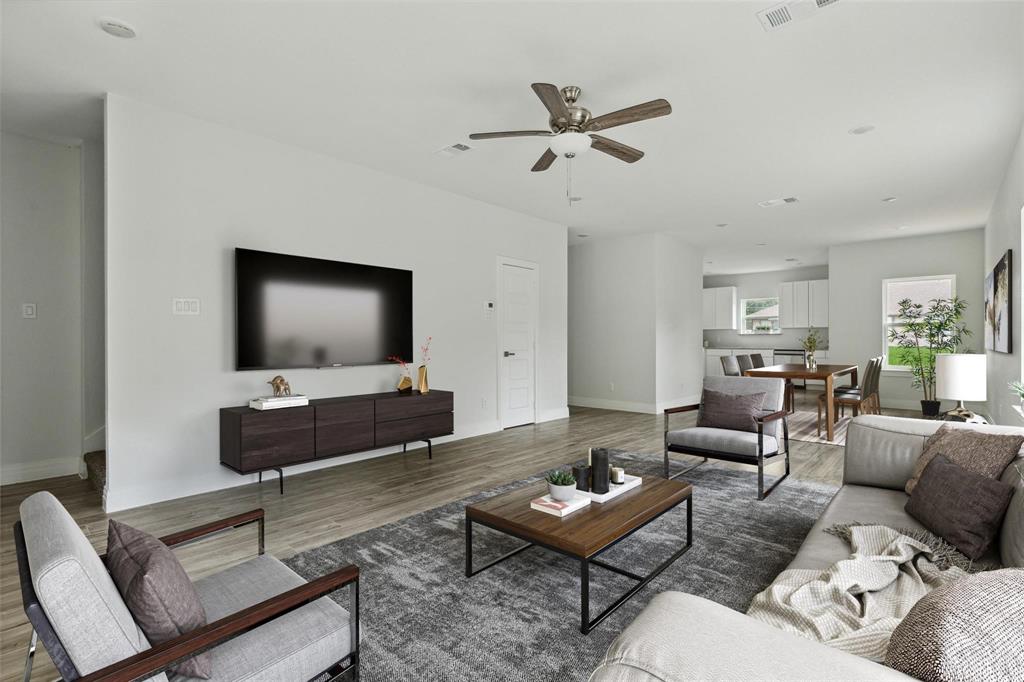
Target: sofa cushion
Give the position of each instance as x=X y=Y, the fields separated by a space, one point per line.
x=852 y=504
x=295 y=646
x=963 y=508
x=684 y=637
x=981 y=452
x=1011 y=537
x=76 y=592
x=728 y=411
x=722 y=440
x=971 y=629
x=157 y=590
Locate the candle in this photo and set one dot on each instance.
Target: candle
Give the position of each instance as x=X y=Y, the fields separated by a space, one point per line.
x=618 y=475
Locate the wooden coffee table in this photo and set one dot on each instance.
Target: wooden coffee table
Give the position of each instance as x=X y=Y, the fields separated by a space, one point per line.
x=582 y=535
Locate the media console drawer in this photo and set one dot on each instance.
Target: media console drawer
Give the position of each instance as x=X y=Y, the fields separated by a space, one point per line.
x=414 y=405
x=415 y=428
x=278 y=438
x=344 y=427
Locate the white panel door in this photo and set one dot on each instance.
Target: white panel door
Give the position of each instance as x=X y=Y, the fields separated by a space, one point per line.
x=786 y=305
x=517 y=309
x=819 y=303
x=708 y=301
x=801 y=304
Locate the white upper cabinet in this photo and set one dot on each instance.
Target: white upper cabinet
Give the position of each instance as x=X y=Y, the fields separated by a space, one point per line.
x=803 y=304
x=719 y=308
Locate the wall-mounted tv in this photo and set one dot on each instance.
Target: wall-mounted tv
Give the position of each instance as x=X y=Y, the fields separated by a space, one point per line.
x=293 y=311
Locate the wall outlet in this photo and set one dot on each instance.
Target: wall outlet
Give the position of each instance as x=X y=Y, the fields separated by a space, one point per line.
x=488 y=309
x=28 y=311
x=185 y=306
x=483 y=403
x=611 y=387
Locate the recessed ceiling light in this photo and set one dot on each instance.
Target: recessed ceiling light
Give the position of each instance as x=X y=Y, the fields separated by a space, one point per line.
x=889 y=200
x=575 y=199
x=861 y=130
x=791 y=260
x=768 y=203
x=709 y=262
x=903 y=227
x=761 y=244
x=721 y=224
x=583 y=236
x=117 y=28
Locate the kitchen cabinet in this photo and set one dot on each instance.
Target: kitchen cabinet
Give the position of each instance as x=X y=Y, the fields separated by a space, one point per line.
x=819 y=303
x=803 y=304
x=719 y=308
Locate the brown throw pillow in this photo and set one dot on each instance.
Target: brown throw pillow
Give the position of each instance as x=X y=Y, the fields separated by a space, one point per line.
x=727 y=411
x=967 y=630
x=157 y=591
x=963 y=508
x=983 y=453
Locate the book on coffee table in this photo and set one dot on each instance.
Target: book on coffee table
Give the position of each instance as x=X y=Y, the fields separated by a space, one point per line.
x=549 y=506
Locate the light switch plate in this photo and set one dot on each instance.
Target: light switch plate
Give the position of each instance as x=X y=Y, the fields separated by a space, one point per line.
x=185 y=306
x=28 y=311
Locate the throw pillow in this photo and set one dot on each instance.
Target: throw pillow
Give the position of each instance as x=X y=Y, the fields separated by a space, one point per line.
x=157 y=591
x=964 y=508
x=983 y=453
x=967 y=630
x=727 y=411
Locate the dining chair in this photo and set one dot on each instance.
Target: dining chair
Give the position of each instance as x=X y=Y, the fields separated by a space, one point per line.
x=862 y=399
x=745 y=363
x=756 y=360
x=730 y=367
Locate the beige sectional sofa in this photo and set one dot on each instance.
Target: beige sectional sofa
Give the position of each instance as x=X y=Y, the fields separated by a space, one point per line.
x=683 y=637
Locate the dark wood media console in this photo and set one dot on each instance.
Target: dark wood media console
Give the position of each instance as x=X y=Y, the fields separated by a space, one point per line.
x=254 y=441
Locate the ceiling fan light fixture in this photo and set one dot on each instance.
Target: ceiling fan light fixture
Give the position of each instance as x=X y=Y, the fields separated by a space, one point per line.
x=570 y=144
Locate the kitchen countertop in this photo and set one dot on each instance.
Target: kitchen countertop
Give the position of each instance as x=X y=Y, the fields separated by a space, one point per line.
x=752 y=348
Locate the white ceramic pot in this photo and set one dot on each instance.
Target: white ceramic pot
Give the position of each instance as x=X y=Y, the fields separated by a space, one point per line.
x=562 y=493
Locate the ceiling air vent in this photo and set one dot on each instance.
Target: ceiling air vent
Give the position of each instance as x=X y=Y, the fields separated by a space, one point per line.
x=777 y=16
x=453 y=150
x=777 y=202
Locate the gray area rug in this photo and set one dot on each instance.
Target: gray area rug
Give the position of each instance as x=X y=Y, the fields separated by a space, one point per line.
x=422 y=619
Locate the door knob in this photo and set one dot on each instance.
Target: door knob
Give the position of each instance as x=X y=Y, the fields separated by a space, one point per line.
x=508 y=353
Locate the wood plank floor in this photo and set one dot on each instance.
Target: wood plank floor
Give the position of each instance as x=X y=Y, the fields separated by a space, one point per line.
x=323 y=506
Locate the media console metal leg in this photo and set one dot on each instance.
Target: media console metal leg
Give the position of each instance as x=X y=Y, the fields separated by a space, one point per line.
x=430 y=450
x=280 y=478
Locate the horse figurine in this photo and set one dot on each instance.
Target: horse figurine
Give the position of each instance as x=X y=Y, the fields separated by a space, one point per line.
x=281 y=387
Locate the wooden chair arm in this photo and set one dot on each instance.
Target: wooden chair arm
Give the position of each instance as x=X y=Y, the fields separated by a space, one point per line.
x=181 y=537
x=684 y=408
x=771 y=417
x=161 y=657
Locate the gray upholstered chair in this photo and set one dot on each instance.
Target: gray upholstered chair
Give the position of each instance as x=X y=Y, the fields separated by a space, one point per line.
x=730 y=367
x=745 y=363
x=757 y=360
x=746 y=447
x=264 y=620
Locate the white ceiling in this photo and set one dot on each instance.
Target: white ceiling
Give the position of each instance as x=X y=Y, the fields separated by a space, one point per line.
x=755 y=115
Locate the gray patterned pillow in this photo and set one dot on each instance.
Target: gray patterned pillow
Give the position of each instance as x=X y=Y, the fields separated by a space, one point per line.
x=727 y=411
x=967 y=630
x=157 y=591
x=983 y=453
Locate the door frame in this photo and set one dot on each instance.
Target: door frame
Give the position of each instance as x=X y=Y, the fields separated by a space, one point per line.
x=502 y=261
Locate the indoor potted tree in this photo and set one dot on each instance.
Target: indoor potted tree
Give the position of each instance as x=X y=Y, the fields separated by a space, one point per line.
x=921 y=334
x=561 y=485
x=1017 y=388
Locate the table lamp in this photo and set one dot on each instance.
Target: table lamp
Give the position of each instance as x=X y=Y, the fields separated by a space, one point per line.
x=960 y=377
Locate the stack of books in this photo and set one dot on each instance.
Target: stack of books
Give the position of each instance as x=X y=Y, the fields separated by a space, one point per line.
x=269 y=402
x=549 y=506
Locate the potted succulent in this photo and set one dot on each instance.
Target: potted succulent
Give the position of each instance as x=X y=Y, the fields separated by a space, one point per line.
x=561 y=485
x=922 y=334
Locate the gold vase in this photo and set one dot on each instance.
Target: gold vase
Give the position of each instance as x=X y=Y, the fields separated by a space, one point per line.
x=424 y=388
x=405 y=384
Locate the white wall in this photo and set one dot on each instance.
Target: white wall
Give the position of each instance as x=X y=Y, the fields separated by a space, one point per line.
x=94 y=375
x=762 y=285
x=634 y=323
x=41 y=264
x=678 y=323
x=183 y=193
x=856 y=272
x=1003 y=231
x=611 y=323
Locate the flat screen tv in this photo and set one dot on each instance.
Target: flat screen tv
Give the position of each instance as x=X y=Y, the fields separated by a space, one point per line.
x=293 y=311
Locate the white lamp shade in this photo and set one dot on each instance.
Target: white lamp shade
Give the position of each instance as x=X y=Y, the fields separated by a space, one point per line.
x=961 y=377
x=570 y=143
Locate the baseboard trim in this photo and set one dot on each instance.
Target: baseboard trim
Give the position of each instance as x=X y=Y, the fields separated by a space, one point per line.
x=36 y=471
x=553 y=415
x=679 y=402
x=620 y=405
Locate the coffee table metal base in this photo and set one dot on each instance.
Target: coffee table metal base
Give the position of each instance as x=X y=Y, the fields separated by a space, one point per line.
x=586 y=623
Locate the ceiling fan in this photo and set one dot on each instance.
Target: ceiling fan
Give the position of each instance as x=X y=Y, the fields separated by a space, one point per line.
x=573 y=129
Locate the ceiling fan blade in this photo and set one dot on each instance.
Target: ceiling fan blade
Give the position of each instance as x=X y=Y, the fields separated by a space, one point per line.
x=552 y=99
x=620 y=151
x=511 y=133
x=640 y=112
x=545 y=161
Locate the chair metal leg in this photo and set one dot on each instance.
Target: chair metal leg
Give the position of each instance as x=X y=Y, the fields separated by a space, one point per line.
x=30 y=656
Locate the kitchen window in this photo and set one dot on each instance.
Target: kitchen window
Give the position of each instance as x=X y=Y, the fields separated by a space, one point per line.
x=760 y=316
x=917 y=289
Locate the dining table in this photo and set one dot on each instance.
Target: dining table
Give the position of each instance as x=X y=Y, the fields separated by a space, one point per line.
x=822 y=372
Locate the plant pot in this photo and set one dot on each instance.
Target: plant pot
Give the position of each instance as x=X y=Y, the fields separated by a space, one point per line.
x=930 y=408
x=562 y=493
x=424 y=388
